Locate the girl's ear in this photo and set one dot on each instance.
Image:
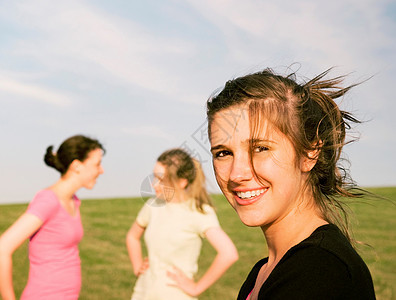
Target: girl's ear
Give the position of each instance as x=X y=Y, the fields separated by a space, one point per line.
x=75 y=166
x=182 y=183
x=310 y=160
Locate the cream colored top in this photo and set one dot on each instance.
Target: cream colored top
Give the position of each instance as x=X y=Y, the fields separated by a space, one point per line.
x=173 y=237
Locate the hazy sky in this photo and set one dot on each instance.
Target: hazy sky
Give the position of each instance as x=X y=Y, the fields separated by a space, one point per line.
x=136 y=75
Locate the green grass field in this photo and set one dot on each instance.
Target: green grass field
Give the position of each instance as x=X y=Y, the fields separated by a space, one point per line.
x=107 y=273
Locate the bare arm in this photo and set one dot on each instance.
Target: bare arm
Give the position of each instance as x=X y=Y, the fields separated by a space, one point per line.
x=135 y=249
x=226 y=255
x=12 y=238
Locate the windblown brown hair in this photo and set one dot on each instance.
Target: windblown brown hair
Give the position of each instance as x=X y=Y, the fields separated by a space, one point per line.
x=308 y=115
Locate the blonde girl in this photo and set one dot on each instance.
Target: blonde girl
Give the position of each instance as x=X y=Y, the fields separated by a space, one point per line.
x=173 y=225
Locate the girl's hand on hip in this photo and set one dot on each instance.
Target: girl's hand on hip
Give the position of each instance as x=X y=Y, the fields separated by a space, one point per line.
x=145 y=265
x=183 y=282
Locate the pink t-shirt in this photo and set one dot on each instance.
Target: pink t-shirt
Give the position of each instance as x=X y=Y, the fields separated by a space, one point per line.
x=55 y=267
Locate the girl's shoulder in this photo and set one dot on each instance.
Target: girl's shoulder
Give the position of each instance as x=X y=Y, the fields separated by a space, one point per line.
x=328 y=247
x=329 y=238
x=208 y=209
x=45 y=195
x=44 y=204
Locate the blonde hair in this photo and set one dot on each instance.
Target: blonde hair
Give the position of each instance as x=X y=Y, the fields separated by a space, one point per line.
x=180 y=165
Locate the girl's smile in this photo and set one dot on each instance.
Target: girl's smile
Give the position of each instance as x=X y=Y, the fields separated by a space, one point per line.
x=249 y=196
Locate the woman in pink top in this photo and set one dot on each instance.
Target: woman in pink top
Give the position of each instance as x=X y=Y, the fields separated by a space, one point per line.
x=53 y=225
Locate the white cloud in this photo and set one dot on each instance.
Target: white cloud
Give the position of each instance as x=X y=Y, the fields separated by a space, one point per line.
x=340 y=32
x=82 y=39
x=33 y=91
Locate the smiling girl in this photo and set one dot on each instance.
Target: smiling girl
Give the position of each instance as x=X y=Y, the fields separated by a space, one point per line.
x=276 y=146
x=53 y=225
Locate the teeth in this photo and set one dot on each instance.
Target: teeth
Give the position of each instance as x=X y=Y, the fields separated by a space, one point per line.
x=250 y=194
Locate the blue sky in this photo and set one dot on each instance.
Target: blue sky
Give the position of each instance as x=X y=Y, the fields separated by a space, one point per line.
x=136 y=75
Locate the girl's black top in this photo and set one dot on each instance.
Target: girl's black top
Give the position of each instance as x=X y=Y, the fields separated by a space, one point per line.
x=323 y=266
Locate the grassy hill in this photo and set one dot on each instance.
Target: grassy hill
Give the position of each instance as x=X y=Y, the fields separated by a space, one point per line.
x=107 y=273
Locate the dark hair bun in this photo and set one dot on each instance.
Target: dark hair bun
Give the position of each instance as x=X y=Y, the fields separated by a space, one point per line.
x=51 y=160
x=75 y=147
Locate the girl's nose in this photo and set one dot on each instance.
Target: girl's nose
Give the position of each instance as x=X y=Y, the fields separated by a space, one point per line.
x=241 y=169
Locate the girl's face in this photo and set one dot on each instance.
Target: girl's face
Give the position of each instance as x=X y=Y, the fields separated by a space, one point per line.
x=91 y=168
x=163 y=190
x=278 y=192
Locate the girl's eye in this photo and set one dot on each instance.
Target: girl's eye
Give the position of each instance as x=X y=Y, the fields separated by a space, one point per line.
x=158 y=178
x=259 y=149
x=222 y=153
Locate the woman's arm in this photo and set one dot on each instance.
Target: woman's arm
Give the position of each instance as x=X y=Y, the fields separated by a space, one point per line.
x=12 y=238
x=135 y=249
x=227 y=254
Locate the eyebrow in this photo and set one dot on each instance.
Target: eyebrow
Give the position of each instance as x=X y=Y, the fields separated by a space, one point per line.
x=258 y=140
x=217 y=147
x=158 y=175
x=246 y=142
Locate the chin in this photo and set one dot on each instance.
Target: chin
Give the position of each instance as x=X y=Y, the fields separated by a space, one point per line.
x=90 y=186
x=251 y=223
x=251 y=220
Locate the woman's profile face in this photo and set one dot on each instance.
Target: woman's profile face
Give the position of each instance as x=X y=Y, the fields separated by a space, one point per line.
x=258 y=202
x=91 y=168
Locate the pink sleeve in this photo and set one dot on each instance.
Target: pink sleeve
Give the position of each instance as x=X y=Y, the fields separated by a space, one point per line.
x=43 y=205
